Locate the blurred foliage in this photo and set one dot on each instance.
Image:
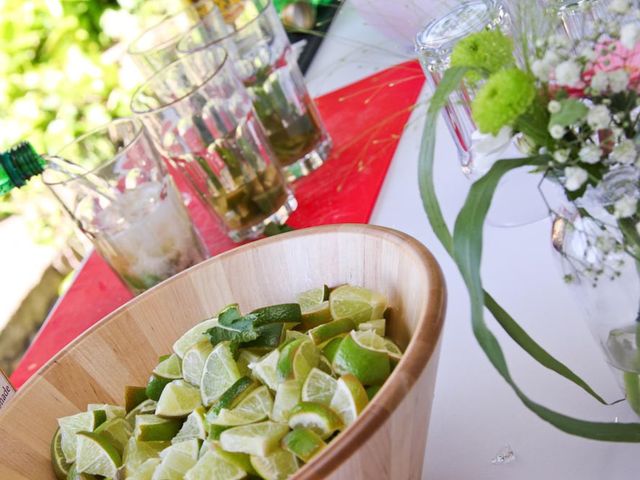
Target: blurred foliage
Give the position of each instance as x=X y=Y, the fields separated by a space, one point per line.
x=63 y=71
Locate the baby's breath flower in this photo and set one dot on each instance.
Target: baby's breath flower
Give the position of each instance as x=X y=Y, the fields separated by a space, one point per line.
x=599 y=117
x=629 y=35
x=574 y=178
x=557 y=131
x=624 y=152
x=600 y=82
x=554 y=106
x=561 y=156
x=506 y=95
x=619 y=6
x=589 y=54
x=618 y=80
x=590 y=154
x=488 y=50
x=568 y=73
x=541 y=70
x=625 y=207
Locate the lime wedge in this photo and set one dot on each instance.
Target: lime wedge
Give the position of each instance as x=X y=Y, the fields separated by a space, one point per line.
x=211 y=466
x=313 y=298
x=147 y=406
x=378 y=326
x=242 y=460
x=144 y=471
x=315 y=416
x=265 y=369
x=177 y=460
x=220 y=372
x=326 y=332
x=170 y=368
x=370 y=366
x=357 y=304
x=111 y=411
x=303 y=443
x=96 y=456
x=256 y=406
x=316 y=315
x=244 y=361
x=256 y=439
x=134 y=396
x=325 y=365
x=178 y=399
x=231 y=397
x=137 y=453
x=58 y=461
x=156 y=386
x=193 y=427
x=71 y=425
x=193 y=362
x=392 y=350
x=287 y=397
x=372 y=390
x=279 y=465
x=75 y=475
x=349 y=400
x=331 y=347
x=117 y=431
x=193 y=336
x=152 y=428
x=297 y=359
x=318 y=387
x=370 y=340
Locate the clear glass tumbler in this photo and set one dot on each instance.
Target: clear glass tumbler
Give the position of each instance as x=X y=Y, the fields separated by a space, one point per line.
x=257 y=43
x=434 y=45
x=202 y=119
x=115 y=187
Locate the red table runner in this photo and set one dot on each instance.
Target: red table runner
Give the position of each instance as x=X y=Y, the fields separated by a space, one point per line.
x=365 y=120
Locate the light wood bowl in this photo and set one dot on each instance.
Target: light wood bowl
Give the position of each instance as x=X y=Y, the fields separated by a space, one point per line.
x=387 y=441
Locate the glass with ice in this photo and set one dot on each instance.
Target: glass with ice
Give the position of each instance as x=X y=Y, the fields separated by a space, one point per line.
x=114 y=186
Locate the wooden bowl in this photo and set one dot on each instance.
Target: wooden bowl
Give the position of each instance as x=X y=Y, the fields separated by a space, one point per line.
x=386 y=442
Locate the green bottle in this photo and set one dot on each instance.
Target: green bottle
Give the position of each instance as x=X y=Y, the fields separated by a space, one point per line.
x=18 y=165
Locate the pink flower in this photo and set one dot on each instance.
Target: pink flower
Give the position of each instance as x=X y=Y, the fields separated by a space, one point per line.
x=613 y=57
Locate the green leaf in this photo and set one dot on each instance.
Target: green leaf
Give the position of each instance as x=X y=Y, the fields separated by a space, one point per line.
x=571 y=111
x=603 y=431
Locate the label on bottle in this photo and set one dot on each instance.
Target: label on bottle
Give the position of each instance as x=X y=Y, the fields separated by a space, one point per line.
x=6 y=390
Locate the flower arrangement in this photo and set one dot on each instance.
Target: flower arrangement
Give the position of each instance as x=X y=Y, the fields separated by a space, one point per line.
x=573 y=108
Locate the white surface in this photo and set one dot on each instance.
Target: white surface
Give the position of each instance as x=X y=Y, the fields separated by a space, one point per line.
x=475 y=413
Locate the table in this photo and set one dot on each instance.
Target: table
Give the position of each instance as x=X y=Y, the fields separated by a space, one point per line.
x=475 y=413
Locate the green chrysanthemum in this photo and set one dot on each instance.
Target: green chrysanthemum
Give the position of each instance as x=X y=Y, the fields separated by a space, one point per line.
x=506 y=95
x=488 y=50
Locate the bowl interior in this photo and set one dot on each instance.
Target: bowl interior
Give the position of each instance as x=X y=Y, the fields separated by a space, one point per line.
x=124 y=347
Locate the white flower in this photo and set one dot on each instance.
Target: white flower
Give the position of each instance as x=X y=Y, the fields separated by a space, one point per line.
x=600 y=82
x=619 y=6
x=629 y=35
x=554 y=106
x=606 y=242
x=541 y=70
x=568 y=73
x=590 y=154
x=624 y=152
x=574 y=178
x=618 y=80
x=551 y=58
x=625 y=207
x=599 y=117
x=561 y=156
x=589 y=54
x=556 y=131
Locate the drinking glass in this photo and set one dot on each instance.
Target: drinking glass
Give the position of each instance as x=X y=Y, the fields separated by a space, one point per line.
x=578 y=17
x=115 y=187
x=201 y=117
x=261 y=53
x=434 y=45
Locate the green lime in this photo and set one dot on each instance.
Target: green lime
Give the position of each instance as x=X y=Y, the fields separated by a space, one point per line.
x=147 y=406
x=256 y=406
x=325 y=365
x=349 y=400
x=330 y=330
x=357 y=304
x=318 y=387
x=393 y=351
x=265 y=370
x=315 y=416
x=297 y=359
x=145 y=470
x=134 y=396
x=74 y=475
x=331 y=347
x=231 y=397
x=178 y=399
x=193 y=427
x=371 y=367
x=220 y=372
x=284 y=313
x=58 y=461
x=242 y=460
x=111 y=411
x=117 y=431
x=292 y=335
x=313 y=298
x=193 y=336
x=279 y=465
x=246 y=358
x=193 y=362
x=372 y=390
x=152 y=428
x=256 y=439
x=155 y=386
x=378 y=326
x=71 y=425
x=137 y=453
x=287 y=397
x=96 y=455
x=211 y=466
x=303 y=443
x=177 y=460
x=316 y=315
x=171 y=368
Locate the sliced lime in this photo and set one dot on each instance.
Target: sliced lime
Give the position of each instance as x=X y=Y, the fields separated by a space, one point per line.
x=297 y=359
x=96 y=456
x=392 y=350
x=171 y=368
x=279 y=465
x=371 y=367
x=137 y=453
x=111 y=411
x=193 y=336
x=315 y=416
x=178 y=399
x=245 y=359
x=256 y=406
x=378 y=326
x=313 y=298
x=287 y=397
x=193 y=361
x=145 y=470
x=117 y=431
x=155 y=386
x=331 y=347
x=326 y=332
x=357 y=304
x=303 y=443
x=134 y=396
x=58 y=461
x=265 y=369
x=71 y=425
x=315 y=316
x=152 y=428
x=256 y=439
x=75 y=475
x=350 y=399
x=193 y=427
x=372 y=390
x=220 y=372
x=211 y=466
x=231 y=397
x=147 y=406
x=319 y=387
x=177 y=460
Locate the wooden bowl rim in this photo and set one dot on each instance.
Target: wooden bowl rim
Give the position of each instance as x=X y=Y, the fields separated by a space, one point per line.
x=428 y=330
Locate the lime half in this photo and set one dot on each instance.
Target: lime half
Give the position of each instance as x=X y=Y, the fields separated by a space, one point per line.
x=315 y=416
x=355 y=356
x=303 y=443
